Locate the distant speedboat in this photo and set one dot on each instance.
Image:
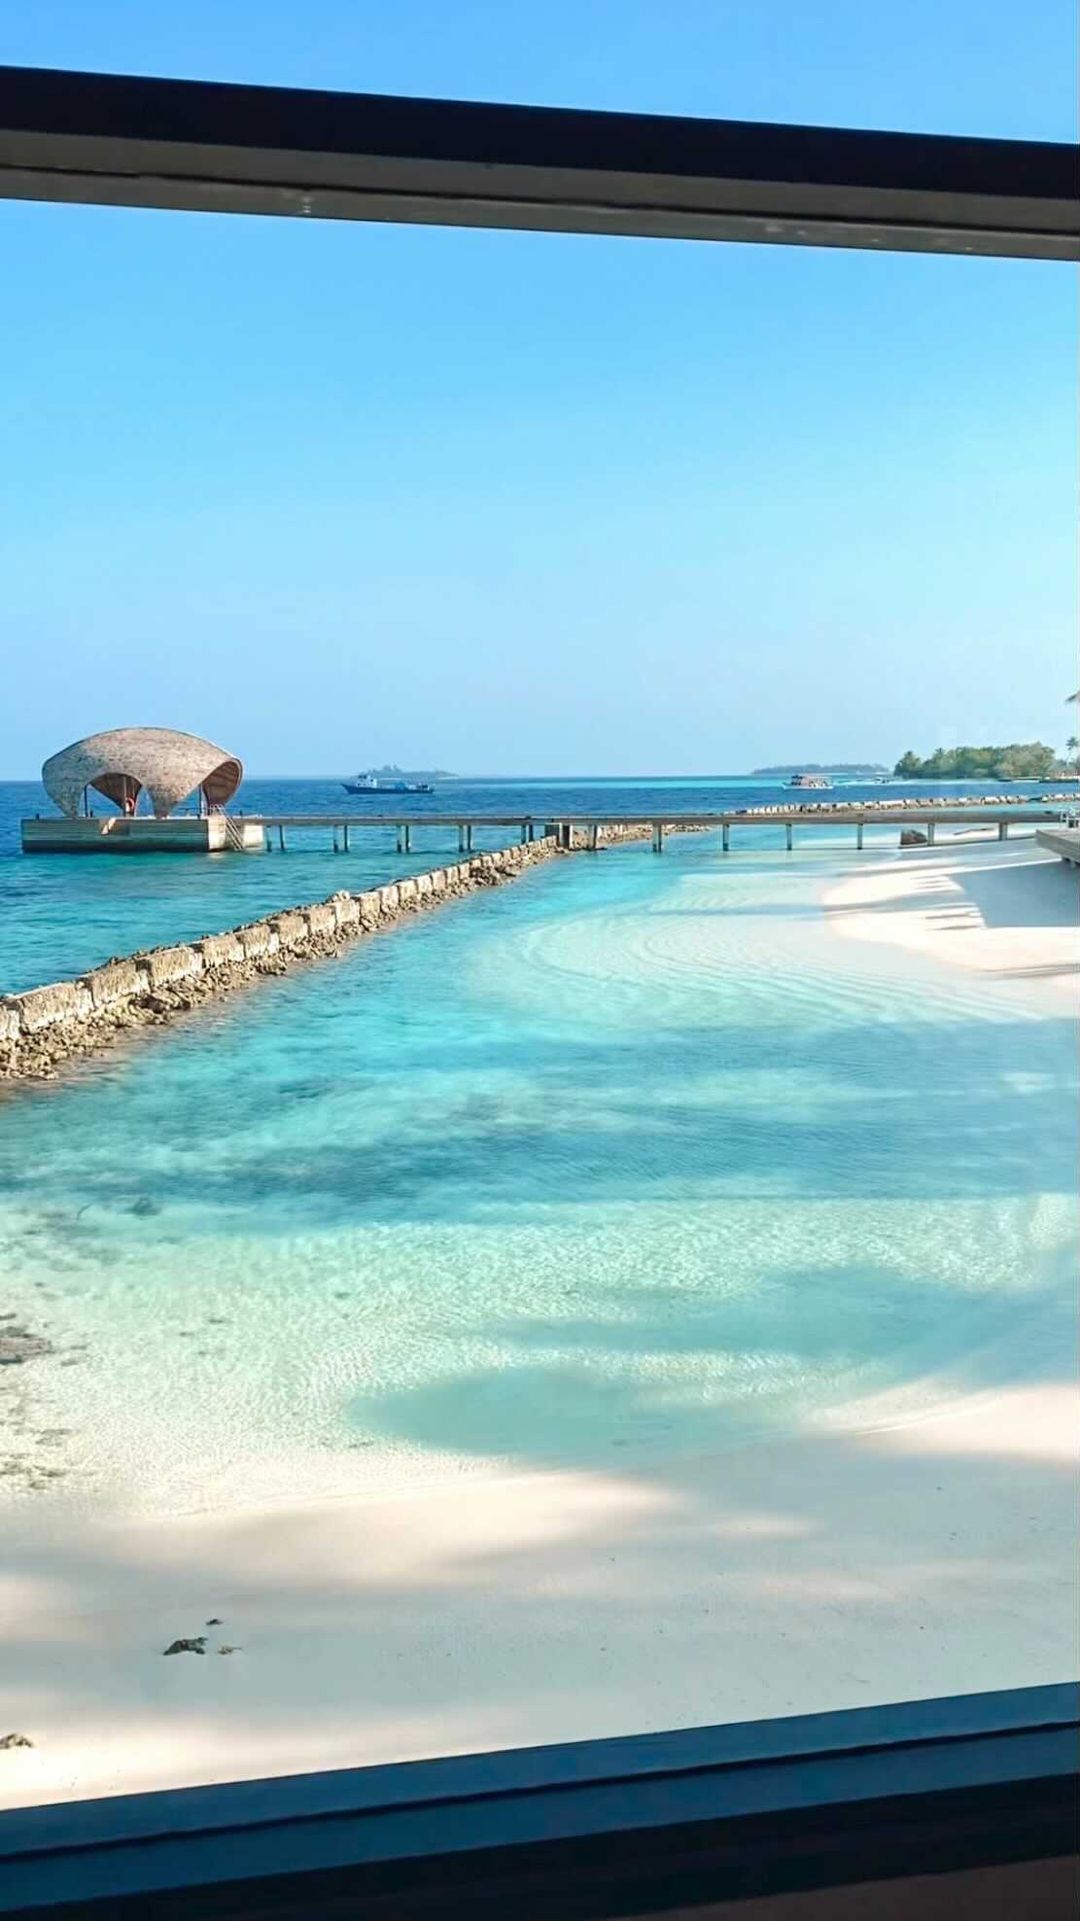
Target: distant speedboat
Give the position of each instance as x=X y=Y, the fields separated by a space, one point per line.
x=808 y=780
x=372 y=784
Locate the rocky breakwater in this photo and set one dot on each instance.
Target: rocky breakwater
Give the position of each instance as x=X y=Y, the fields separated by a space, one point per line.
x=615 y=833
x=894 y=802
x=48 y=1026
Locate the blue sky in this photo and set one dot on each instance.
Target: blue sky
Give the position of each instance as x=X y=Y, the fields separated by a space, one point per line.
x=538 y=504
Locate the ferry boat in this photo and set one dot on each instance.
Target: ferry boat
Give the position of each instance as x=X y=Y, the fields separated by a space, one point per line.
x=808 y=780
x=374 y=784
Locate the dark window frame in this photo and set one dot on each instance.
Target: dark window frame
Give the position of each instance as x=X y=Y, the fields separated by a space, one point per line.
x=212 y=147
x=590 y=1829
x=649 y=1822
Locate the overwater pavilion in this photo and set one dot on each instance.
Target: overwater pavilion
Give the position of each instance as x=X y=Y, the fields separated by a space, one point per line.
x=124 y=763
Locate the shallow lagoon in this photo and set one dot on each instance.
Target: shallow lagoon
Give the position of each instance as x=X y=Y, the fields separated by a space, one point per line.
x=633 y=1155
x=63 y=913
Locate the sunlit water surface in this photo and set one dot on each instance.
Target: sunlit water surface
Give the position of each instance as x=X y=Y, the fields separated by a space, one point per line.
x=633 y=1155
x=63 y=913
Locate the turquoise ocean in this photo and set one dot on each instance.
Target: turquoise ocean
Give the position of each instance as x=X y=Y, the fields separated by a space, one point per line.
x=635 y=1155
x=61 y=914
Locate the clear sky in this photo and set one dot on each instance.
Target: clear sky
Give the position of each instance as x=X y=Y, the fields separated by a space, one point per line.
x=334 y=494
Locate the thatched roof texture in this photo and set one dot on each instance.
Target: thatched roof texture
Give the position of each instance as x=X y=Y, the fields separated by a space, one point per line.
x=124 y=761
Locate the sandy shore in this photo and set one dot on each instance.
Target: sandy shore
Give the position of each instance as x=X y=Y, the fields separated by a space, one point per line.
x=868 y=1564
x=881 y=1557
x=1008 y=910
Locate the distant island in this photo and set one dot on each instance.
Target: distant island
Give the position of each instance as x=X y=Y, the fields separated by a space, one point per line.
x=823 y=767
x=1021 y=760
x=393 y=772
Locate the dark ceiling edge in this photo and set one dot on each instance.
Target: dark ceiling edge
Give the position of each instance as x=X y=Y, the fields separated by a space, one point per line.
x=200 y=112
x=122 y=139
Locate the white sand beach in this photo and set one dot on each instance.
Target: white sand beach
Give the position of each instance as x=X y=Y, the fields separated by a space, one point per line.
x=1007 y=909
x=858 y=1567
x=883 y=1555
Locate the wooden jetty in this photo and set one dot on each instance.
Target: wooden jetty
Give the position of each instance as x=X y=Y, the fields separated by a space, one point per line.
x=591 y=826
x=1063 y=841
x=254 y=833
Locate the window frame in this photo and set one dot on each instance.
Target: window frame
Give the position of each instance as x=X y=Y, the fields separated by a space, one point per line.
x=592 y=1828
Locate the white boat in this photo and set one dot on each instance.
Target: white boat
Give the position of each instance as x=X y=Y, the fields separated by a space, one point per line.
x=372 y=784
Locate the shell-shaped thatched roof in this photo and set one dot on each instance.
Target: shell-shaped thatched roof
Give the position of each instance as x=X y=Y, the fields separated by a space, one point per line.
x=120 y=763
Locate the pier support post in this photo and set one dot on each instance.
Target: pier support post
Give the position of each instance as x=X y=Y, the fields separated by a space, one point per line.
x=461 y=837
x=787 y=833
x=468 y=836
x=658 y=837
x=345 y=831
x=930 y=826
x=725 y=837
x=281 y=840
x=594 y=838
x=336 y=847
x=524 y=832
x=859 y=835
x=1003 y=830
x=404 y=837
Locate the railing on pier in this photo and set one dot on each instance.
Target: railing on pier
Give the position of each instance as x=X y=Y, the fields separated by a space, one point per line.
x=592 y=826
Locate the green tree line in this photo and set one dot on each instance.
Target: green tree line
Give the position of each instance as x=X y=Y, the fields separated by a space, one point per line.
x=1021 y=760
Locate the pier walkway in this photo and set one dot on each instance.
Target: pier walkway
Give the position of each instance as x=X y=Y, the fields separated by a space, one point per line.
x=858 y=816
x=219 y=832
x=1063 y=841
